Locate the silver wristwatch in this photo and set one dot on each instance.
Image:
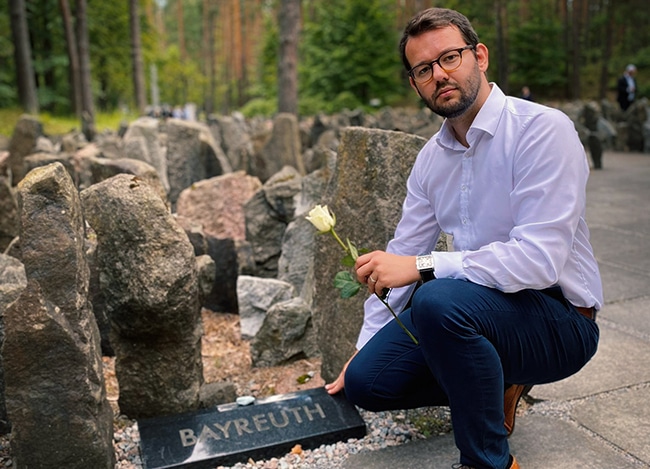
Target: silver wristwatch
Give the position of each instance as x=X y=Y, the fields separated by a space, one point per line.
x=424 y=264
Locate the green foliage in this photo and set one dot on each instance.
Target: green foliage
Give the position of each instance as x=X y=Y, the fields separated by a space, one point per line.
x=312 y=105
x=266 y=107
x=8 y=118
x=349 y=52
x=60 y=124
x=49 y=55
x=8 y=94
x=430 y=421
x=265 y=76
x=110 y=52
x=180 y=82
x=537 y=58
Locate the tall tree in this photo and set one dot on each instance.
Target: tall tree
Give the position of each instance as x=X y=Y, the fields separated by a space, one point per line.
x=349 y=55
x=180 y=17
x=576 y=37
x=238 y=49
x=289 y=20
x=73 y=57
x=83 y=46
x=228 y=43
x=207 y=52
x=23 y=57
x=502 y=44
x=563 y=10
x=136 y=57
x=607 y=49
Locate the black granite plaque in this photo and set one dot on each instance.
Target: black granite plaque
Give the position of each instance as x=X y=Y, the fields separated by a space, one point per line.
x=230 y=433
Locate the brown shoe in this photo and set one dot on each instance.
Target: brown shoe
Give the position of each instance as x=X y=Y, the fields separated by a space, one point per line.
x=510 y=401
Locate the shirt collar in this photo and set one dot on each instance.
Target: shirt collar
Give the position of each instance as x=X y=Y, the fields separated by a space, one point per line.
x=487 y=120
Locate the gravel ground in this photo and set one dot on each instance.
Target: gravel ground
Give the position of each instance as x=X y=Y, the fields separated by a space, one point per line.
x=384 y=429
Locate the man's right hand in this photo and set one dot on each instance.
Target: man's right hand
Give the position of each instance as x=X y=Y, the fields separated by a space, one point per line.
x=339 y=383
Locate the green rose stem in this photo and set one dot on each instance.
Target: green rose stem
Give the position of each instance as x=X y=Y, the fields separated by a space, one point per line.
x=324 y=221
x=345 y=248
x=382 y=298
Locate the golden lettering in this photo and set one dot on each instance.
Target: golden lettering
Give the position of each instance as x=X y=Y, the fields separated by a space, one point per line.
x=187 y=437
x=242 y=426
x=260 y=422
x=276 y=424
x=309 y=412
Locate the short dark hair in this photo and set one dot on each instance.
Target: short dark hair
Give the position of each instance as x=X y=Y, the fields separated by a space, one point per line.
x=436 y=18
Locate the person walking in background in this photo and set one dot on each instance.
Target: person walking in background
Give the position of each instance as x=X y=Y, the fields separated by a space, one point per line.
x=627 y=87
x=514 y=303
x=526 y=94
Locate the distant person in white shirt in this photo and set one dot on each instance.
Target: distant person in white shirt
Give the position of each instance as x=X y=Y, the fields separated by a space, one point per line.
x=626 y=87
x=514 y=303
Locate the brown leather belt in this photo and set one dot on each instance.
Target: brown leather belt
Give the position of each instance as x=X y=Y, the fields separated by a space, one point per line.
x=589 y=313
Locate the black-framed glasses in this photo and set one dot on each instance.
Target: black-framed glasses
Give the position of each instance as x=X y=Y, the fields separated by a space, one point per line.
x=449 y=61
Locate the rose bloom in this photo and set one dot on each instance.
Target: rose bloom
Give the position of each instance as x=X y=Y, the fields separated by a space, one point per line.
x=321 y=218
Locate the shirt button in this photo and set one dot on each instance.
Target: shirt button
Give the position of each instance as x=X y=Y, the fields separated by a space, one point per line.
x=465 y=220
x=463 y=187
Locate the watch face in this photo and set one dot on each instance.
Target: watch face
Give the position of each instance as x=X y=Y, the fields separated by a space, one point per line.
x=424 y=262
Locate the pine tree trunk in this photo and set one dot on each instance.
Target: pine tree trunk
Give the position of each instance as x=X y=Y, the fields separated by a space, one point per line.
x=136 y=57
x=288 y=64
x=502 y=44
x=83 y=47
x=73 y=57
x=607 y=51
x=23 y=57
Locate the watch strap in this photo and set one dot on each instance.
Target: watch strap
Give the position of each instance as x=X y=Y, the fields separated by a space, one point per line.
x=425 y=266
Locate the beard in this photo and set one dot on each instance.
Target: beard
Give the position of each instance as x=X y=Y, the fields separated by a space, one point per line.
x=452 y=109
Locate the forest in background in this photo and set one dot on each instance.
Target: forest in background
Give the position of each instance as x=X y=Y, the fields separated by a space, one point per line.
x=227 y=55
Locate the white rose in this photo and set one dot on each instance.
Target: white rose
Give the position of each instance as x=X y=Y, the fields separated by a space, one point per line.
x=320 y=217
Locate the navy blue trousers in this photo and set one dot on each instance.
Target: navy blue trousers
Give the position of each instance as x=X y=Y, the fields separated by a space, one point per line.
x=473 y=341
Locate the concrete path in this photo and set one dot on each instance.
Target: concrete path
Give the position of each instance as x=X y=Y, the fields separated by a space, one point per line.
x=600 y=417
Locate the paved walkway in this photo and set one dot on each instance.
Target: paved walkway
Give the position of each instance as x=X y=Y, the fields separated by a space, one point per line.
x=600 y=417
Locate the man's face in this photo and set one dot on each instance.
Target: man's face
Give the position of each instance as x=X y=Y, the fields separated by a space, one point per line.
x=448 y=94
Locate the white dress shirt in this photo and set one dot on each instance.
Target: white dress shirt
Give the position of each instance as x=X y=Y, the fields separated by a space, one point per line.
x=514 y=203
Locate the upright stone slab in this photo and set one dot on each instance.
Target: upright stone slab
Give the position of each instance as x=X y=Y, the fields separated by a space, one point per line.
x=282 y=149
x=55 y=393
x=149 y=277
x=12 y=284
x=23 y=143
x=232 y=133
x=103 y=168
x=8 y=213
x=287 y=334
x=366 y=192
x=230 y=434
x=217 y=204
x=148 y=147
x=192 y=155
x=219 y=288
x=267 y=214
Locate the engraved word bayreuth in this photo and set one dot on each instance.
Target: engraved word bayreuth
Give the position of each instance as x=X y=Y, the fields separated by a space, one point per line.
x=257 y=423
